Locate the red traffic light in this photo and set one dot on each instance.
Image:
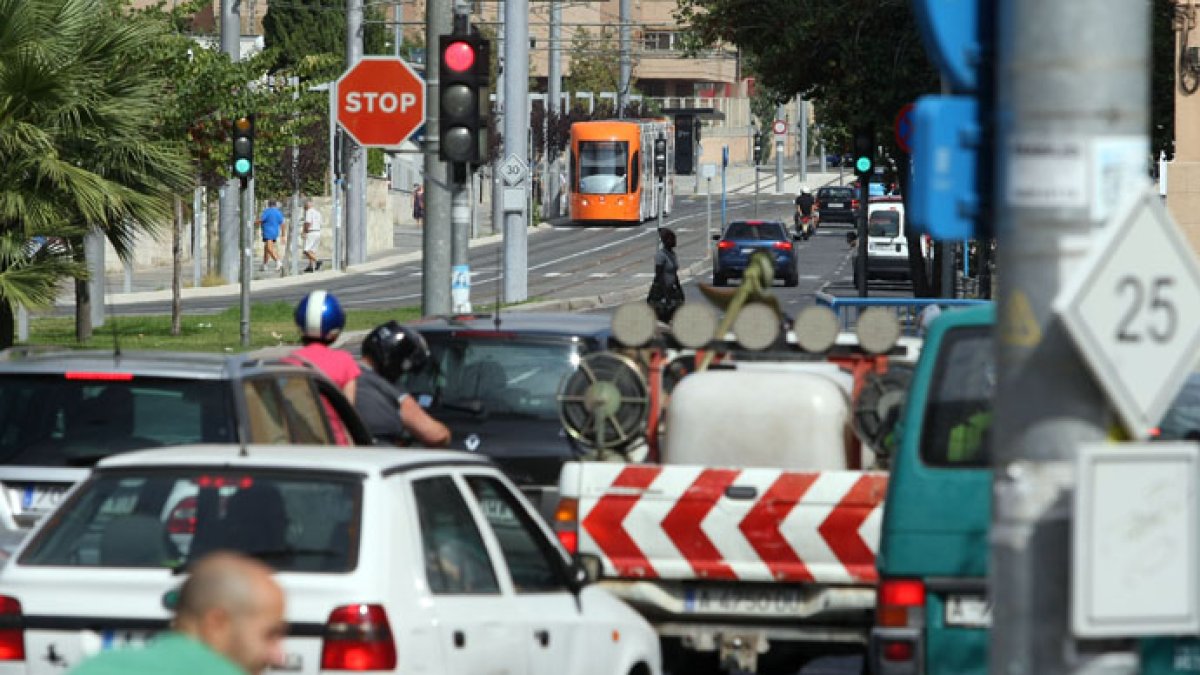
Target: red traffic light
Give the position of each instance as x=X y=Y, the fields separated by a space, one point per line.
x=459 y=56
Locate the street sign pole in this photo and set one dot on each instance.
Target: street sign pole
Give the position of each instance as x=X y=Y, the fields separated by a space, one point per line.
x=244 y=240
x=724 y=167
x=1054 y=116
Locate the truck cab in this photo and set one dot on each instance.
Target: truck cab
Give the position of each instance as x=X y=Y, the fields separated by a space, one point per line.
x=932 y=610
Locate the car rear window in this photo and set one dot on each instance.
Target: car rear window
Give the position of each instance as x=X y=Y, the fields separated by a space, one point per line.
x=835 y=194
x=504 y=375
x=760 y=231
x=959 y=414
x=50 y=420
x=165 y=517
x=884 y=224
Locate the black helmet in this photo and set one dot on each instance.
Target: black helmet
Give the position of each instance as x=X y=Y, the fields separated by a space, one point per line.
x=395 y=350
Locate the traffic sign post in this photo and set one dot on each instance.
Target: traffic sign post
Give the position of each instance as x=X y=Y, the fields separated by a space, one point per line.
x=380 y=102
x=1129 y=312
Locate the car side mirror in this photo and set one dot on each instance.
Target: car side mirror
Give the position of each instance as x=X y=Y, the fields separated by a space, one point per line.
x=584 y=570
x=716 y=237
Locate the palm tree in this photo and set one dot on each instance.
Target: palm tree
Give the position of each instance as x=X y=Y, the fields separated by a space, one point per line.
x=80 y=148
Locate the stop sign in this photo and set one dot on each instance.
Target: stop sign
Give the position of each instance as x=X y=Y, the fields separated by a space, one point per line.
x=380 y=101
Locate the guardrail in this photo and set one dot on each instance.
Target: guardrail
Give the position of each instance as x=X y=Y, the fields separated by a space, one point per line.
x=908 y=310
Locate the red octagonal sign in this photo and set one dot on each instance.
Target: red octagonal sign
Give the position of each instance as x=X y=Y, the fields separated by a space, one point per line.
x=380 y=101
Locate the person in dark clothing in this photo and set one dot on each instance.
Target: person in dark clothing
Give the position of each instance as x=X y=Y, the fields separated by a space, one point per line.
x=666 y=294
x=389 y=412
x=804 y=212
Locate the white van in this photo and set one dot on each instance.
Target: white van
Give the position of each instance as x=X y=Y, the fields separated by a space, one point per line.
x=887 y=247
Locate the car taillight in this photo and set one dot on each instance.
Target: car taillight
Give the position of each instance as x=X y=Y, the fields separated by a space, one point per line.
x=566 y=524
x=854 y=203
x=901 y=603
x=783 y=245
x=725 y=245
x=12 y=630
x=358 y=637
x=898 y=650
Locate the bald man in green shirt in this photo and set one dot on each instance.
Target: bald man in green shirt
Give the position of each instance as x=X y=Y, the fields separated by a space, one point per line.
x=228 y=621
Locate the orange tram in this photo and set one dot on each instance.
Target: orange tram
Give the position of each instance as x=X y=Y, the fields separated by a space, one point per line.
x=612 y=171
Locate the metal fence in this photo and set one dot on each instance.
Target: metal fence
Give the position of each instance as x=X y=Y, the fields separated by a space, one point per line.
x=908 y=310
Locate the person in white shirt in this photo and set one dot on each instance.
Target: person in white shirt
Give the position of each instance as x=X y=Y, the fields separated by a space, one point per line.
x=312 y=235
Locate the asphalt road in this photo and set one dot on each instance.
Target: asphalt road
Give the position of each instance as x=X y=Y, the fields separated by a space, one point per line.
x=569 y=261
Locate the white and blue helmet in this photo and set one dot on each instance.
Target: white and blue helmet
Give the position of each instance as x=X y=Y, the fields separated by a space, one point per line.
x=320 y=317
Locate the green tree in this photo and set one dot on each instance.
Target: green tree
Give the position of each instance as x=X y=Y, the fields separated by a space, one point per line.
x=297 y=31
x=80 y=140
x=595 y=62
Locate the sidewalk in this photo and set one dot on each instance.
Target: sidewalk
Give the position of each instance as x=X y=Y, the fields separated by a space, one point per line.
x=153 y=283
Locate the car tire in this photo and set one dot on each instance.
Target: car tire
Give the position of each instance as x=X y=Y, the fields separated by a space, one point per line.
x=792 y=280
x=720 y=279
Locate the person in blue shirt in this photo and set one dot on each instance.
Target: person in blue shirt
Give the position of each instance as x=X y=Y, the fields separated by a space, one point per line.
x=271 y=222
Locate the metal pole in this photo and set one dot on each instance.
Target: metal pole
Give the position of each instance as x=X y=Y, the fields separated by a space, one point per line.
x=356 y=155
x=337 y=224
x=949 y=284
x=626 y=63
x=824 y=156
x=662 y=195
x=708 y=217
x=516 y=121
x=756 y=189
x=460 y=216
x=247 y=265
x=437 y=235
x=864 y=198
x=779 y=115
x=22 y=323
x=227 y=213
x=1056 y=98
x=294 y=232
x=498 y=114
x=127 y=276
x=198 y=218
x=723 y=170
x=803 y=124
x=94 y=251
x=554 y=105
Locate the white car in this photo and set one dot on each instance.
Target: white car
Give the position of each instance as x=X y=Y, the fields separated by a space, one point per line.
x=405 y=561
x=887 y=244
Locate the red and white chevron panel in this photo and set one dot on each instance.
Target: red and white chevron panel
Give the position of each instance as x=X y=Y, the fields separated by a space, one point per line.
x=684 y=522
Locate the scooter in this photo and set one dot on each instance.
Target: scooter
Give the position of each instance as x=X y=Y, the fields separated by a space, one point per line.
x=804 y=224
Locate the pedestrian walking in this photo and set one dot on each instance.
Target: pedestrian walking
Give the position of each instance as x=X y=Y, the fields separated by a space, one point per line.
x=390 y=413
x=320 y=318
x=666 y=294
x=419 y=204
x=271 y=222
x=228 y=621
x=312 y=235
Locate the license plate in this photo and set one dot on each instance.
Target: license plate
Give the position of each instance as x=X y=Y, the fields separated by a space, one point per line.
x=834 y=205
x=742 y=601
x=972 y=611
x=748 y=251
x=36 y=498
x=119 y=639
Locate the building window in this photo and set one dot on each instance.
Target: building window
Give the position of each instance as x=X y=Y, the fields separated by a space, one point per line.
x=660 y=41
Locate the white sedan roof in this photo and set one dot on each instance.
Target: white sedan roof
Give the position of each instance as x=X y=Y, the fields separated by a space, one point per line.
x=364 y=460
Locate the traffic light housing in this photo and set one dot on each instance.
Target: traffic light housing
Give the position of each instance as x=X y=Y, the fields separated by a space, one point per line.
x=757 y=147
x=243 y=147
x=660 y=157
x=864 y=153
x=463 y=94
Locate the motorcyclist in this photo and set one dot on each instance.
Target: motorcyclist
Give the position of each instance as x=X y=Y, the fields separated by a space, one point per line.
x=389 y=412
x=804 y=212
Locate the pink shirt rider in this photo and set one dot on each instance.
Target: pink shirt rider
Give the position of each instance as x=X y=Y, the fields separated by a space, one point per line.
x=337 y=365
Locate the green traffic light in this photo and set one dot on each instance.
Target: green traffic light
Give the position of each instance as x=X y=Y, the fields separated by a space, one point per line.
x=242 y=166
x=862 y=164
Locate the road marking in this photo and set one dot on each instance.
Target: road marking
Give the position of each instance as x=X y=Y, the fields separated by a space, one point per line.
x=810 y=277
x=556 y=274
x=644 y=274
x=600 y=275
x=415 y=274
x=382 y=273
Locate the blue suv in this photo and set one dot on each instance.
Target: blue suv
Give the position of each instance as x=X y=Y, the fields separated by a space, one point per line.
x=742 y=238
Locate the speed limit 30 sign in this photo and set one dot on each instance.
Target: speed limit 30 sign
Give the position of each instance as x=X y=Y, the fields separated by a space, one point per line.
x=1131 y=312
